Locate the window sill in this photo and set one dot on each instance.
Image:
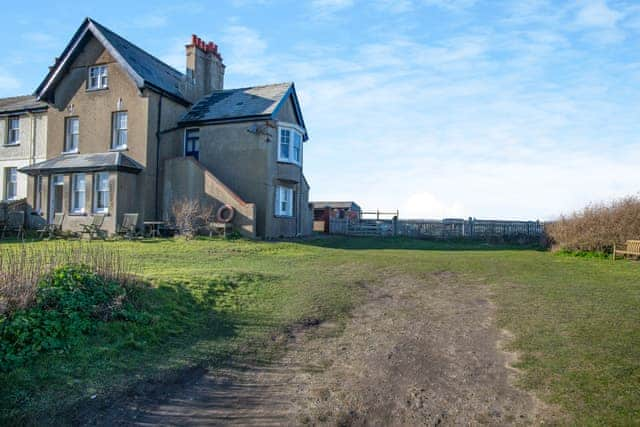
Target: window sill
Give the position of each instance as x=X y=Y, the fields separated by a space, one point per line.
x=123 y=148
x=13 y=144
x=77 y=214
x=97 y=89
x=284 y=216
x=71 y=152
x=105 y=213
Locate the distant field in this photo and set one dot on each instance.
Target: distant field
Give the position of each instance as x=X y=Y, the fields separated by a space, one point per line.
x=576 y=321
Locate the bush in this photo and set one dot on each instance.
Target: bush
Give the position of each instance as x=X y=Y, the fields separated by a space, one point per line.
x=69 y=302
x=190 y=215
x=597 y=227
x=23 y=267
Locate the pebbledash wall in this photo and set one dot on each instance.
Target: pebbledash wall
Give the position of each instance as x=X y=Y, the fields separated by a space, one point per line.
x=30 y=149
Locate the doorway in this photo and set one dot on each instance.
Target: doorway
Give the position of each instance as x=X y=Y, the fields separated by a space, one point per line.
x=57 y=193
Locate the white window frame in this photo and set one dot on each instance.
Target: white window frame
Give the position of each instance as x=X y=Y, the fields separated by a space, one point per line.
x=294 y=132
x=11 y=182
x=69 y=134
x=116 y=131
x=101 y=77
x=13 y=134
x=286 y=195
x=75 y=188
x=98 y=189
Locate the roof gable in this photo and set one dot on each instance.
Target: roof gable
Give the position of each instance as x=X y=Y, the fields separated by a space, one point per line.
x=143 y=68
x=244 y=104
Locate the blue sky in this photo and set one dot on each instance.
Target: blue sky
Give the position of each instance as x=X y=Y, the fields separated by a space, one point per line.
x=494 y=109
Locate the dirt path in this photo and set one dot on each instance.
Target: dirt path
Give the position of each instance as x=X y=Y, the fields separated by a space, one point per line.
x=419 y=352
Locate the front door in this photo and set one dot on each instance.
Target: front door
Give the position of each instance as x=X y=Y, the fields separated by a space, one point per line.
x=57 y=191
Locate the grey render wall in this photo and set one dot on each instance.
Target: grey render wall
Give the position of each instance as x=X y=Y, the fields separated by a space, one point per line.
x=186 y=178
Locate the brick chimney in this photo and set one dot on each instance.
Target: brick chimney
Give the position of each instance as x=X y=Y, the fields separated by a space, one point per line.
x=204 y=66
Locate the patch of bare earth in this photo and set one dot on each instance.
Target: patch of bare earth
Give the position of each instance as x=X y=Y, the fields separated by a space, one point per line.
x=418 y=352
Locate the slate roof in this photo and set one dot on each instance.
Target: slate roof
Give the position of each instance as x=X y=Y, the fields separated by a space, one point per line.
x=152 y=70
x=144 y=68
x=112 y=161
x=17 y=104
x=237 y=104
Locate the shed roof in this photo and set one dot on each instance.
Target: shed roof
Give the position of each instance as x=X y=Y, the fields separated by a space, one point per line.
x=18 y=104
x=94 y=162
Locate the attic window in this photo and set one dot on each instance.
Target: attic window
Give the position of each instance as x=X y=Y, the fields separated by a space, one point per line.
x=98 y=78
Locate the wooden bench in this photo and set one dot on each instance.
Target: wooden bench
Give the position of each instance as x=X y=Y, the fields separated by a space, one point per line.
x=631 y=247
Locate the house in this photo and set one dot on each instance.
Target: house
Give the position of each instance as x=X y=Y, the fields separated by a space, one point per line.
x=128 y=133
x=23 y=136
x=324 y=211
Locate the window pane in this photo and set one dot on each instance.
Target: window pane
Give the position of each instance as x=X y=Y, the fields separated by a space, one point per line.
x=297 y=145
x=285 y=136
x=78 y=189
x=73 y=134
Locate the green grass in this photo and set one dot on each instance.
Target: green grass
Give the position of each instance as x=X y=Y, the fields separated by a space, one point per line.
x=576 y=320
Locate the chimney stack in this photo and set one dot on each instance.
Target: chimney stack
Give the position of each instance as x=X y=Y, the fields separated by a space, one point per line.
x=204 y=66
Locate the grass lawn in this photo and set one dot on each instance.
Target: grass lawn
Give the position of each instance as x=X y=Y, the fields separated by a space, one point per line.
x=576 y=320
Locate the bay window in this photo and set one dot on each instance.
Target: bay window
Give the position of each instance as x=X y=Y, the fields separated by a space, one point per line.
x=78 y=193
x=101 y=195
x=289 y=145
x=284 y=201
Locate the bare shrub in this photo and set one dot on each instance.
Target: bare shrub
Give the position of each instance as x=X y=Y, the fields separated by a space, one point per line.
x=190 y=215
x=23 y=266
x=598 y=226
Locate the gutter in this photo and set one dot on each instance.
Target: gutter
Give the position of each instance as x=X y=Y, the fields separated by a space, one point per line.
x=222 y=121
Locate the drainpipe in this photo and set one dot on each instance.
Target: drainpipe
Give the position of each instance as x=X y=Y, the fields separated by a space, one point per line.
x=157 y=214
x=32 y=149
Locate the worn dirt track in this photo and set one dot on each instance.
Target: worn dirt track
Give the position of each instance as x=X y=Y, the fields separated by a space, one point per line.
x=420 y=351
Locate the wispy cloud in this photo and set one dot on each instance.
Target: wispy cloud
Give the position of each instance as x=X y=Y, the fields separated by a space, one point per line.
x=328 y=8
x=597 y=13
x=41 y=39
x=9 y=84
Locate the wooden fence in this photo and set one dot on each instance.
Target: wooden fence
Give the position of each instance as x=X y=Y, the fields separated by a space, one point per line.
x=450 y=228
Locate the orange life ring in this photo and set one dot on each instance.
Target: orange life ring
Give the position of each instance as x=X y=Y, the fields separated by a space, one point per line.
x=225 y=214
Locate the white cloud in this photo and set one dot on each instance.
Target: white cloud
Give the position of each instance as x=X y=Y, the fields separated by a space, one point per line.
x=596 y=13
x=425 y=205
x=9 y=84
x=329 y=8
x=244 y=51
x=151 y=21
x=454 y=5
x=41 y=39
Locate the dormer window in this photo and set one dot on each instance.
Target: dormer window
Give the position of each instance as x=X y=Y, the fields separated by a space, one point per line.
x=289 y=145
x=98 y=77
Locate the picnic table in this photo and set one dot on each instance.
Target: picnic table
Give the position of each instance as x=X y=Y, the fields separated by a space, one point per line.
x=153 y=227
